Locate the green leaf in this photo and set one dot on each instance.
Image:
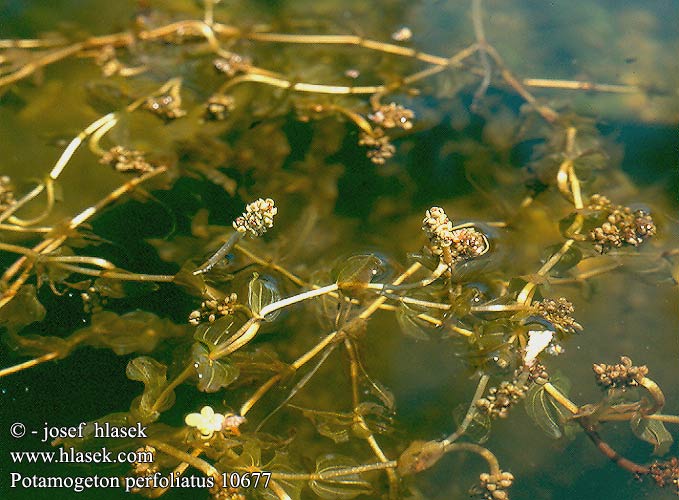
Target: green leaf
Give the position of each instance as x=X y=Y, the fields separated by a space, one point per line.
x=382 y=393
x=105 y=96
x=357 y=271
x=50 y=271
x=212 y=334
x=342 y=487
x=544 y=411
x=281 y=463
x=376 y=418
x=479 y=428
x=212 y=374
x=258 y=365
x=333 y=425
x=23 y=309
x=136 y=331
x=420 y=456
x=154 y=377
x=652 y=431
x=192 y=284
x=37 y=345
x=570 y=259
x=410 y=325
x=263 y=291
x=407 y=319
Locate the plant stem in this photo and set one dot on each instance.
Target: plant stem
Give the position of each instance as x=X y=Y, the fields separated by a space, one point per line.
x=561 y=398
x=670 y=419
x=656 y=393
x=266 y=310
x=220 y=254
x=391 y=464
x=609 y=452
x=185 y=374
x=487 y=455
x=29 y=364
x=471 y=412
x=195 y=462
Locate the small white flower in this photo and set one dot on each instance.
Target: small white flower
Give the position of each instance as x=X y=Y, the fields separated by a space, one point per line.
x=438 y=227
x=402 y=34
x=538 y=340
x=257 y=218
x=207 y=421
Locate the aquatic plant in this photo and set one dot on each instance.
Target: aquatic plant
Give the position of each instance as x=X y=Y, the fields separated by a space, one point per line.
x=494 y=288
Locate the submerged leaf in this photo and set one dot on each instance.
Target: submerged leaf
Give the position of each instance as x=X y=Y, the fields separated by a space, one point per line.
x=263 y=291
x=36 y=345
x=154 y=377
x=193 y=284
x=136 y=331
x=407 y=315
x=544 y=411
x=376 y=418
x=410 y=325
x=258 y=365
x=333 y=425
x=652 y=431
x=212 y=374
x=357 y=271
x=23 y=309
x=420 y=456
x=106 y=96
x=281 y=463
x=570 y=259
x=478 y=430
x=342 y=487
x=212 y=334
x=383 y=394
x=89 y=440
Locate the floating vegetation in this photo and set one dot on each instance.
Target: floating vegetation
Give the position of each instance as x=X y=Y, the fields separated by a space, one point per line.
x=303 y=286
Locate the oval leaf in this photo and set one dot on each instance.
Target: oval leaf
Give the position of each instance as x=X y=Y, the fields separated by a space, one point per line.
x=136 y=331
x=333 y=425
x=478 y=429
x=544 y=411
x=357 y=271
x=280 y=463
x=652 y=431
x=212 y=374
x=340 y=487
x=212 y=334
x=410 y=325
x=263 y=291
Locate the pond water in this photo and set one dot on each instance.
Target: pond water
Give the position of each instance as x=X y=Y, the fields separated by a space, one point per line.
x=489 y=156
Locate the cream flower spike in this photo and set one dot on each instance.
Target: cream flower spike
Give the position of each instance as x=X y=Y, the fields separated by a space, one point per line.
x=257 y=218
x=207 y=421
x=255 y=221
